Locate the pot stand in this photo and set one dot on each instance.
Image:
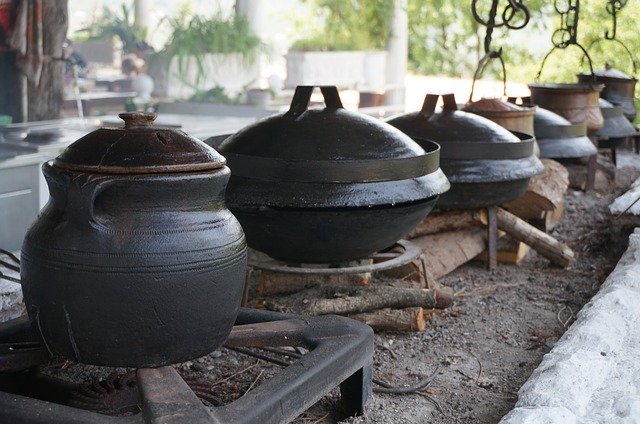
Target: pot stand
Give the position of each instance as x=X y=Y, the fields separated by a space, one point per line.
x=340 y=354
x=380 y=261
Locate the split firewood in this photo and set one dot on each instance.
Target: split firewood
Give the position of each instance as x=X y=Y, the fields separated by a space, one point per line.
x=440 y=222
x=407 y=319
x=447 y=251
x=545 y=192
x=355 y=300
x=557 y=252
x=273 y=283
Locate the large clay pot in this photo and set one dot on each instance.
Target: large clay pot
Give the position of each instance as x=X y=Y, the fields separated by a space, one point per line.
x=328 y=185
x=559 y=138
x=135 y=261
x=619 y=88
x=486 y=164
x=576 y=102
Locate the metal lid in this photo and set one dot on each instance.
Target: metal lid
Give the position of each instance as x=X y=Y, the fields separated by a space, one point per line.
x=608 y=72
x=564 y=88
x=450 y=124
x=325 y=145
x=138 y=148
x=616 y=125
x=559 y=138
x=486 y=106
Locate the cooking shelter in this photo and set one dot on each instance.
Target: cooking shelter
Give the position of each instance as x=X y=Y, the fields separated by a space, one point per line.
x=316 y=259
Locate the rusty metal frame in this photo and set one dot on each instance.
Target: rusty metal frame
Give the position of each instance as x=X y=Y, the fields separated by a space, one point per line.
x=341 y=352
x=412 y=252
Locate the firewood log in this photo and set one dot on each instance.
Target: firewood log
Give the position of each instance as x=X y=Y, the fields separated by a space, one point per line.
x=355 y=300
x=407 y=319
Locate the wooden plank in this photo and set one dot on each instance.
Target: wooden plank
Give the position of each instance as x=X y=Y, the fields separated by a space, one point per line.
x=444 y=252
x=545 y=192
x=440 y=222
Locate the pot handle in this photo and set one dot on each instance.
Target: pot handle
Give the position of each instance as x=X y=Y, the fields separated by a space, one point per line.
x=430 y=101
x=83 y=194
x=302 y=95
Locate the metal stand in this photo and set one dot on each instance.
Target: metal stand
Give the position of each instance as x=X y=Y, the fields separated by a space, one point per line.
x=492 y=237
x=341 y=352
x=411 y=253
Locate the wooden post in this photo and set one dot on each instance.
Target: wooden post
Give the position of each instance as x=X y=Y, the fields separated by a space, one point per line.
x=592 y=167
x=544 y=244
x=492 y=238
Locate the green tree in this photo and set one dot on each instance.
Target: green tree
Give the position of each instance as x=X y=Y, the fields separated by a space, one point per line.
x=349 y=25
x=444 y=39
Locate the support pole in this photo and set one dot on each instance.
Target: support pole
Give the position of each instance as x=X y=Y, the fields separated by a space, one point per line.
x=397 y=55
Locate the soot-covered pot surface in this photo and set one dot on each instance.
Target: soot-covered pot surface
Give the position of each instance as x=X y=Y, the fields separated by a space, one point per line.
x=135 y=261
x=328 y=185
x=560 y=139
x=486 y=164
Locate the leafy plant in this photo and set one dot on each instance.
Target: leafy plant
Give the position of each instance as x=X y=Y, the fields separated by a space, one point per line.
x=349 y=25
x=111 y=24
x=193 y=36
x=214 y=95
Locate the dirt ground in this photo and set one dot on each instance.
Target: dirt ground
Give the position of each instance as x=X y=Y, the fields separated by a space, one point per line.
x=484 y=347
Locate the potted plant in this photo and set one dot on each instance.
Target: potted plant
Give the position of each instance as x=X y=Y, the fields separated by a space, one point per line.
x=111 y=24
x=348 y=50
x=207 y=52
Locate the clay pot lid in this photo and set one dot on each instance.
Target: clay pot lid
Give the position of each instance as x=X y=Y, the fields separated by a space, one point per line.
x=327 y=134
x=450 y=124
x=545 y=117
x=610 y=72
x=139 y=148
x=566 y=88
x=493 y=105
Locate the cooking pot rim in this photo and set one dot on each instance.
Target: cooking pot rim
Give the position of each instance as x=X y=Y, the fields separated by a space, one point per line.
x=331 y=171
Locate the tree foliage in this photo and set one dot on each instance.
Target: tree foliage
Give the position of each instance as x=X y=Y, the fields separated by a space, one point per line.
x=349 y=25
x=444 y=39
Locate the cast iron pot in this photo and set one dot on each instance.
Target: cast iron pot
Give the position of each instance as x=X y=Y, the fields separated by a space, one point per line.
x=616 y=125
x=328 y=185
x=513 y=117
x=619 y=88
x=135 y=261
x=576 y=102
x=486 y=164
x=560 y=139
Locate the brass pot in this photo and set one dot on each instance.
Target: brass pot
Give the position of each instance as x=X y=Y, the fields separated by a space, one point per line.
x=576 y=102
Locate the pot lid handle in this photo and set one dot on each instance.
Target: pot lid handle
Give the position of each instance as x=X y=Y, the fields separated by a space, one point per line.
x=302 y=95
x=430 y=101
x=138 y=119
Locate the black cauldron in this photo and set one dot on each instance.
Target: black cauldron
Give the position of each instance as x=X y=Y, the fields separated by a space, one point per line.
x=486 y=164
x=135 y=261
x=328 y=185
x=560 y=139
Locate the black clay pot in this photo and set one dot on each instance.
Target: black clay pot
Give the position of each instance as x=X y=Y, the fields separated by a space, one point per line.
x=328 y=185
x=486 y=164
x=135 y=261
x=619 y=88
x=560 y=139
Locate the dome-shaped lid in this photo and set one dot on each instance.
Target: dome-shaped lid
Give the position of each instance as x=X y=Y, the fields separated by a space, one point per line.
x=616 y=125
x=325 y=145
x=138 y=148
x=545 y=117
x=611 y=72
x=493 y=105
x=328 y=134
x=450 y=124
x=605 y=104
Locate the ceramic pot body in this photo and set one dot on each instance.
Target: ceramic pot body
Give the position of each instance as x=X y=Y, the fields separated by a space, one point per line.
x=328 y=185
x=486 y=164
x=576 y=102
x=135 y=270
x=619 y=90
